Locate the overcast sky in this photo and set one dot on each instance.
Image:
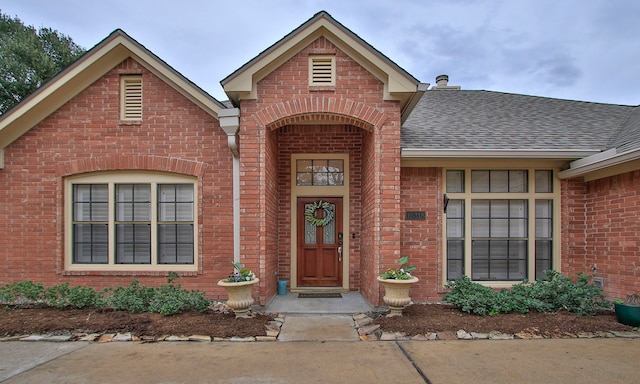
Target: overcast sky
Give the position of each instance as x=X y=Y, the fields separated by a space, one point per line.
x=572 y=49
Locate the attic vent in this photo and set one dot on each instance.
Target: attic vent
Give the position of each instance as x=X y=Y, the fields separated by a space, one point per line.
x=322 y=70
x=131 y=98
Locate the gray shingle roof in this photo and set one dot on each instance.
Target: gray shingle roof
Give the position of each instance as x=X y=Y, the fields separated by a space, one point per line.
x=628 y=137
x=462 y=119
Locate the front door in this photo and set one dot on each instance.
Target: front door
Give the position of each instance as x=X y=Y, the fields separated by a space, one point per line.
x=320 y=242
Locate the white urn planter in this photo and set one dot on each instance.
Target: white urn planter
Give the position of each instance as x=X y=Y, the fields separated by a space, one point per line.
x=396 y=293
x=240 y=295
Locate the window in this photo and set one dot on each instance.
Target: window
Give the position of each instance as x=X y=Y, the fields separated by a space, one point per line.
x=499 y=224
x=319 y=172
x=131 y=221
x=131 y=98
x=322 y=70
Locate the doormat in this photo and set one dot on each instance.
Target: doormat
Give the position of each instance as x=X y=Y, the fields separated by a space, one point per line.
x=323 y=295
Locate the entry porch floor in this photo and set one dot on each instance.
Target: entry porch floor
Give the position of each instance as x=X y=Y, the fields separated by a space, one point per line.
x=348 y=304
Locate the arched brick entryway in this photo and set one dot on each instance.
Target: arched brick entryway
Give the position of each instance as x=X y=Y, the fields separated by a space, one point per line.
x=341 y=126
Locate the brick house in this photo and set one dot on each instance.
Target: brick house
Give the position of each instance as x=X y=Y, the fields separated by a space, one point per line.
x=328 y=163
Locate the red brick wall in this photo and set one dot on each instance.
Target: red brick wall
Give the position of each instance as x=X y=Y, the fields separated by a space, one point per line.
x=613 y=232
x=86 y=135
x=369 y=239
x=573 y=227
x=273 y=214
x=422 y=240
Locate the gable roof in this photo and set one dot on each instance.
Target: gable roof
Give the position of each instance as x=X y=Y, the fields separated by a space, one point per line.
x=455 y=122
x=111 y=51
x=398 y=83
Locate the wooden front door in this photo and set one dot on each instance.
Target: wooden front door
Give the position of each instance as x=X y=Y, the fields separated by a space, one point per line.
x=320 y=242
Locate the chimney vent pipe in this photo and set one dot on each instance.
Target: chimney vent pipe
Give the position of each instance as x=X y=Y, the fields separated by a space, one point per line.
x=442 y=80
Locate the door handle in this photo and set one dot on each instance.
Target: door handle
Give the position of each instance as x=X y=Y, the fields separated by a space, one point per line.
x=339 y=253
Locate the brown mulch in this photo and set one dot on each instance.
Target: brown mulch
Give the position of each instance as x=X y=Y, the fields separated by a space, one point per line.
x=428 y=318
x=65 y=321
x=417 y=319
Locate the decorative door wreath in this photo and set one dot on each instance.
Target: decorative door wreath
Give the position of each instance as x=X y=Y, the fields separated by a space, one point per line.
x=310 y=213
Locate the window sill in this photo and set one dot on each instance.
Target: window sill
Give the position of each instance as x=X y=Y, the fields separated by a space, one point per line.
x=125 y=273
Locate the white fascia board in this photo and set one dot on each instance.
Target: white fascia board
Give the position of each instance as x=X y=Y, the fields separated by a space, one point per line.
x=497 y=153
x=599 y=161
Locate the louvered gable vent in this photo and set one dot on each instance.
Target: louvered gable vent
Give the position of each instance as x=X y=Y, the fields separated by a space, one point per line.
x=132 y=98
x=322 y=70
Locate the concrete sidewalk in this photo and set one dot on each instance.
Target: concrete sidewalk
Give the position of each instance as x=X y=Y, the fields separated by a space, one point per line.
x=477 y=361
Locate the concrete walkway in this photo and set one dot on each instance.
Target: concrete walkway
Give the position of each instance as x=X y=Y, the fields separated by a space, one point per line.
x=318 y=328
x=348 y=304
x=479 y=361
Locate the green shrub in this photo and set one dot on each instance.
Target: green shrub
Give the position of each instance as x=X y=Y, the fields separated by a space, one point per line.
x=550 y=294
x=560 y=293
x=21 y=293
x=135 y=298
x=167 y=299
x=171 y=299
x=56 y=296
x=83 y=297
x=61 y=296
x=472 y=297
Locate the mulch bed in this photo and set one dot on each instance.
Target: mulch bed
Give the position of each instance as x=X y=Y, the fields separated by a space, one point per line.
x=64 y=321
x=428 y=318
x=417 y=319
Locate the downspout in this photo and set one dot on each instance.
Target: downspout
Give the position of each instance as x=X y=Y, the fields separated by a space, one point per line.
x=230 y=123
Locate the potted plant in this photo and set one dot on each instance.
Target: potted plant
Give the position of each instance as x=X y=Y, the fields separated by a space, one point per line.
x=628 y=310
x=239 y=287
x=397 y=283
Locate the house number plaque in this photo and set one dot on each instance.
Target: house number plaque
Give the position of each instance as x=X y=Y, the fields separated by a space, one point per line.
x=415 y=215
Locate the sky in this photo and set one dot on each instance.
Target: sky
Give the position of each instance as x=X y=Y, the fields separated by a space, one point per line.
x=586 y=50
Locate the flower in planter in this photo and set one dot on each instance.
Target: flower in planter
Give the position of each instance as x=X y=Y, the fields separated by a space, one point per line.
x=400 y=273
x=240 y=274
x=628 y=310
x=633 y=299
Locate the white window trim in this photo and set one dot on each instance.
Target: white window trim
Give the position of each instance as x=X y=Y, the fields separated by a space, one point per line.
x=131 y=97
x=113 y=178
x=530 y=196
x=315 y=73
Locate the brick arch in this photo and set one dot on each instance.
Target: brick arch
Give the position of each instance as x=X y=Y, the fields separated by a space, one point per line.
x=316 y=108
x=130 y=162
